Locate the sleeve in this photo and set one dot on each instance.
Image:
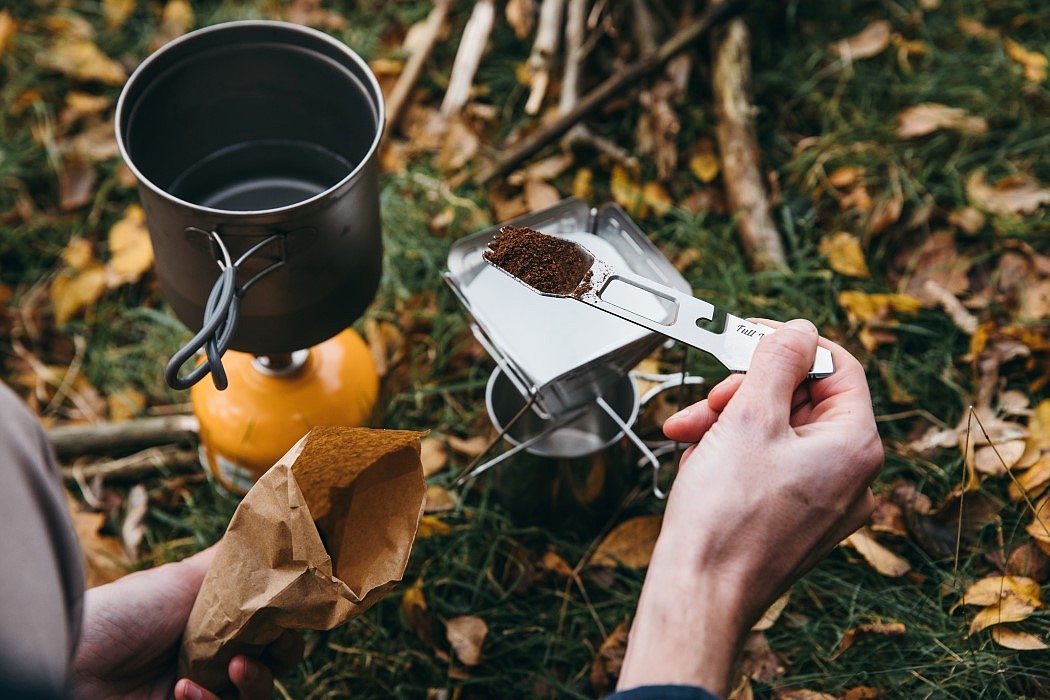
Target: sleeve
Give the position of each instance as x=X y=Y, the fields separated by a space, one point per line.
x=42 y=579
x=663 y=692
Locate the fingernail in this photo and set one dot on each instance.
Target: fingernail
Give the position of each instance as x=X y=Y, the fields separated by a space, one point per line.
x=681 y=414
x=191 y=692
x=248 y=670
x=801 y=325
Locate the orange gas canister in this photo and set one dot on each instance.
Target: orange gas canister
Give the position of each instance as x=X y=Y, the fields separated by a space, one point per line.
x=271 y=402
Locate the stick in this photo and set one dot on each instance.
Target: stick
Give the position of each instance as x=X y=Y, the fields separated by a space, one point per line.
x=609 y=88
x=543 y=48
x=395 y=102
x=735 y=132
x=148 y=461
x=468 y=56
x=98 y=437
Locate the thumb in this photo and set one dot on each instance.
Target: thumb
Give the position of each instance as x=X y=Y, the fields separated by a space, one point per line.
x=781 y=361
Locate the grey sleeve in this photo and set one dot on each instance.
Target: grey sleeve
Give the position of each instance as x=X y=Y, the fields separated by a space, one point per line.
x=42 y=578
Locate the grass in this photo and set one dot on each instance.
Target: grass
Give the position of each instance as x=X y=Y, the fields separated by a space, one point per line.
x=544 y=629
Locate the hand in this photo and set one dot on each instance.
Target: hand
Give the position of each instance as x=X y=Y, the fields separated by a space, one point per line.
x=129 y=641
x=778 y=477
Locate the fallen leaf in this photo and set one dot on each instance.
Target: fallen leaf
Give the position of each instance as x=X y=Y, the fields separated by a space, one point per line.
x=540 y=195
x=544 y=169
x=605 y=668
x=432 y=526
x=554 y=563
x=74 y=291
x=7 y=30
x=871 y=41
x=705 y=166
x=802 y=694
x=1016 y=639
x=758 y=661
x=844 y=254
x=414 y=612
x=520 y=16
x=1039 y=425
x=861 y=307
x=629 y=544
x=1009 y=197
x=80 y=59
x=936 y=258
x=583 y=184
x=82 y=104
x=881 y=559
x=967 y=219
x=1034 y=62
x=772 y=613
x=79 y=254
x=104 y=557
x=989 y=591
x=459 y=146
x=466 y=634
x=76 y=185
x=874 y=629
x=117 y=12
x=438 y=500
x=930 y=117
x=470 y=447
x=433 y=454
x=130 y=249
x=134 y=527
x=996 y=459
x=1009 y=609
x=125 y=403
x=175 y=20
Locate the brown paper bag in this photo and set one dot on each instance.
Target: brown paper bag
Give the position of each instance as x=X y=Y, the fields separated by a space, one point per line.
x=315 y=542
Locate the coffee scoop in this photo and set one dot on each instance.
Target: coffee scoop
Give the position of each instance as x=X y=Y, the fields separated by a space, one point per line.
x=556 y=267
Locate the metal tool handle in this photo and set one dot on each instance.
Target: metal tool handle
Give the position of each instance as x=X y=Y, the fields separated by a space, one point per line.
x=733 y=345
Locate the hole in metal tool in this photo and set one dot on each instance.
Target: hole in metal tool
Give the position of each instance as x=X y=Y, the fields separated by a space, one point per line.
x=715 y=324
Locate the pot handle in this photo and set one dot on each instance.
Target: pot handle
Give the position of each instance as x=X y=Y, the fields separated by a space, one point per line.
x=220 y=319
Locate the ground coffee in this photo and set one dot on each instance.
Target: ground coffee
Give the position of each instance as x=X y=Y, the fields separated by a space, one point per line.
x=546 y=263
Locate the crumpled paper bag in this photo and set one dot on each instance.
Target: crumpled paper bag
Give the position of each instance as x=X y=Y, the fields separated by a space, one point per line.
x=315 y=542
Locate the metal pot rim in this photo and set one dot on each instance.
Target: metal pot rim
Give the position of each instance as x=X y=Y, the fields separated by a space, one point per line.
x=365 y=74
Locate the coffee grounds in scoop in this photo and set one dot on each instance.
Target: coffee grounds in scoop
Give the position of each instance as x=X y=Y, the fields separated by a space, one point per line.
x=547 y=263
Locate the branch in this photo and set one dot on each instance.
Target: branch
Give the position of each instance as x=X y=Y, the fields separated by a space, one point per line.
x=543 y=48
x=100 y=437
x=741 y=163
x=395 y=102
x=468 y=56
x=149 y=461
x=609 y=88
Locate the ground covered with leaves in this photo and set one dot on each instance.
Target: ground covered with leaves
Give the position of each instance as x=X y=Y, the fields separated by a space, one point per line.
x=903 y=157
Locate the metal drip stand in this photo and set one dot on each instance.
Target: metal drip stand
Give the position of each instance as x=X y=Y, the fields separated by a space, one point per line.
x=564 y=384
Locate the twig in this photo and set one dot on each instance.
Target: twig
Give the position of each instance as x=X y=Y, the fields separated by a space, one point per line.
x=610 y=87
x=468 y=56
x=735 y=131
x=99 y=437
x=543 y=48
x=395 y=102
x=148 y=461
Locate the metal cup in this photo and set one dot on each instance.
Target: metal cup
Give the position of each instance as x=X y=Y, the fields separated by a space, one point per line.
x=255 y=146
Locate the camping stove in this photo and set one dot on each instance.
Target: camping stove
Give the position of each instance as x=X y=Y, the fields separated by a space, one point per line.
x=562 y=386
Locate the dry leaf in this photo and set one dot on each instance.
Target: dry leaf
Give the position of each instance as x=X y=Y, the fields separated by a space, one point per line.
x=758 y=661
x=875 y=629
x=175 y=20
x=76 y=185
x=844 y=254
x=130 y=250
x=861 y=307
x=7 y=30
x=125 y=403
x=871 y=41
x=929 y=117
x=881 y=559
x=1017 y=640
x=996 y=459
x=466 y=634
x=134 y=527
x=521 y=15
x=82 y=104
x=544 y=169
x=1039 y=425
x=583 y=184
x=1009 y=197
x=967 y=220
x=629 y=544
x=605 y=669
x=803 y=694
x=117 y=12
x=540 y=195
x=79 y=254
x=438 y=500
x=459 y=146
x=104 y=557
x=470 y=447
x=1009 y=609
x=74 y=291
x=432 y=526
x=80 y=59
x=705 y=166
x=433 y=454
x=1034 y=62
x=555 y=564
x=989 y=591
x=414 y=612
x=772 y=614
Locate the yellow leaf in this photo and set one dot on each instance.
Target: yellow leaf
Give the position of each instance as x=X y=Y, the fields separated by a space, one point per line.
x=131 y=253
x=82 y=60
x=117 y=12
x=844 y=254
x=705 y=166
x=466 y=634
x=414 y=610
x=881 y=559
x=990 y=590
x=862 y=307
x=656 y=196
x=176 y=18
x=104 y=556
x=432 y=526
x=1039 y=425
x=79 y=254
x=7 y=30
x=125 y=404
x=845 y=177
x=583 y=184
x=626 y=192
x=72 y=292
x=629 y=544
x=1034 y=62
x=1033 y=480
x=1017 y=640
x=1009 y=609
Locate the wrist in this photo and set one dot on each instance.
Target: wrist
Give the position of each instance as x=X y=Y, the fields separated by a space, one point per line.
x=691 y=621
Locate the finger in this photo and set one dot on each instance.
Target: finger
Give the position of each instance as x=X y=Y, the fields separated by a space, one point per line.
x=252 y=678
x=186 y=689
x=690 y=424
x=284 y=653
x=720 y=393
x=781 y=361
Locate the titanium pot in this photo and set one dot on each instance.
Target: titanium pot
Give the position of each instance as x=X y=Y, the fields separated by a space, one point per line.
x=255 y=147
